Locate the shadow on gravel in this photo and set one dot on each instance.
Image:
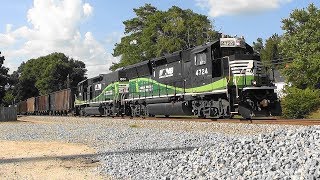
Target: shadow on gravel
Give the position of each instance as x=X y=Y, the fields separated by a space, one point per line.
x=91 y=158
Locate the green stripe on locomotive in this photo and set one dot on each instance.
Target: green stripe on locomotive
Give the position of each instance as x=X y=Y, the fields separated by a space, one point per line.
x=148 y=87
x=111 y=92
x=145 y=87
x=243 y=81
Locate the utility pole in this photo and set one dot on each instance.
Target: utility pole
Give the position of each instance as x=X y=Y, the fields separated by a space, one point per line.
x=68 y=81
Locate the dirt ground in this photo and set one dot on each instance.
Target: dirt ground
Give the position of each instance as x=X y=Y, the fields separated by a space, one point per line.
x=46 y=160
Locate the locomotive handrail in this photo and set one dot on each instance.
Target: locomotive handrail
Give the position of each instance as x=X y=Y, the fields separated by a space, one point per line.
x=236 y=82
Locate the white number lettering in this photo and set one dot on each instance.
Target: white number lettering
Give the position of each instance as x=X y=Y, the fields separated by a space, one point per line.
x=202 y=72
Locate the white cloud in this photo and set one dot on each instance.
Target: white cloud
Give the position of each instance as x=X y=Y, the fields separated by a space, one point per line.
x=114 y=37
x=6 y=40
x=235 y=7
x=8 y=28
x=54 y=27
x=87 y=9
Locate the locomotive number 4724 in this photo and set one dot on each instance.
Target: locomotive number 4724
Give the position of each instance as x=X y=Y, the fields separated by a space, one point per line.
x=200 y=72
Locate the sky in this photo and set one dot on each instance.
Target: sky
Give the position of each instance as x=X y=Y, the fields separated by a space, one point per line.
x=87 y=30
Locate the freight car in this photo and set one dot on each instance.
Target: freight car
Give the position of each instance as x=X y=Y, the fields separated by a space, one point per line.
x=61 y=102
x=56 y=103
x=22 y=107
x=31 y=105
x=214 y=80
x=42 y=105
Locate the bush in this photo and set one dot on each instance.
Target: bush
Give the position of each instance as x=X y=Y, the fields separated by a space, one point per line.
x=298 y=103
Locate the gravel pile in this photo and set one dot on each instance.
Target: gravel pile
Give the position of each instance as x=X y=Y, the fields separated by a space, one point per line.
x=139 y=149
x=279 y=155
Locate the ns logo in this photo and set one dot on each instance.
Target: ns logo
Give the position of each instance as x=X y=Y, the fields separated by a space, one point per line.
x=166 y=72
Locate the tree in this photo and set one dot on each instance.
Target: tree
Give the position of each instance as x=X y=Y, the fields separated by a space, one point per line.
x=301 y=41
x=298 y=103
x=3 y=78
x=153 y=33
x=47 y=74
x=8 y=98
x=258 y=46
x=270 y=53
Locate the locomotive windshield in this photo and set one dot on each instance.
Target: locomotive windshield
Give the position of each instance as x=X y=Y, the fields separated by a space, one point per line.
x=232 y=51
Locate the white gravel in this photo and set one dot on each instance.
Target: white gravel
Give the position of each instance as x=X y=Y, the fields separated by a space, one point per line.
x=140 y=149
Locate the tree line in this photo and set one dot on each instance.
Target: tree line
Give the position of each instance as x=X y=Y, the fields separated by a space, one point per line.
x=296 y=53
x=41 y=76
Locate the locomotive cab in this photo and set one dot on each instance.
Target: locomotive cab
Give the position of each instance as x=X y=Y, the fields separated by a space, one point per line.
x=101 y=95
x=82 y=90
x=230 y=80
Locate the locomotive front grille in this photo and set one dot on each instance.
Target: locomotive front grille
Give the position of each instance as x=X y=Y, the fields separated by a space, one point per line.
x=246 y=67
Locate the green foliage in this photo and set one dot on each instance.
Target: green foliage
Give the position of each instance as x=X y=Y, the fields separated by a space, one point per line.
x=134 y=126
x=47 y=74
x=258 y=46
x=3 y=78
x=271 y=50
x=314 y=115
x=301 y=42
x=298 y=103
x=8 y=99
x=153 y=33
x=304 y=72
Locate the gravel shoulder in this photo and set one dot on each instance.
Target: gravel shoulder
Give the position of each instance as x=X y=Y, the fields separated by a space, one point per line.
x=142 y=149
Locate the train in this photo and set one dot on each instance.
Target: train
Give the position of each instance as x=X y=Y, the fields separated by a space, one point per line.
x=218 y=79
x=56 y=103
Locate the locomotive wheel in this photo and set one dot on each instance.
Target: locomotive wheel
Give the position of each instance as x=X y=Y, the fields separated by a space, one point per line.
x=276 y=109
x=202 y=116
x=82 y=113
x=245 y=112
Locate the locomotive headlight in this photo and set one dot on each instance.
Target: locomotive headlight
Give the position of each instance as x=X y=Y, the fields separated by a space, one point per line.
x=254 y=83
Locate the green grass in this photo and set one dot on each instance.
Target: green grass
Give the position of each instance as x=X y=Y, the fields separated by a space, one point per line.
x=314 y=115
x=134 y=126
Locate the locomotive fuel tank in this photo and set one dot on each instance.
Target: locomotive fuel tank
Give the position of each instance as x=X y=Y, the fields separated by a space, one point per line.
x=174 y=108
x=94 y=110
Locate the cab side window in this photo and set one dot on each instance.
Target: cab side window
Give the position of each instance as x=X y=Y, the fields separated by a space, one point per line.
x=200 y=58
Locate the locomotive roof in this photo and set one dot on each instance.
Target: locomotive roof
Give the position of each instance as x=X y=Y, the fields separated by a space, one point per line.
x=175 y=56
x=82 y=81
x=137 y=64
x=203 y=47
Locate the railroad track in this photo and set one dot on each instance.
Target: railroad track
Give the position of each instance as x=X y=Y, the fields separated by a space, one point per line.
x=304 y=122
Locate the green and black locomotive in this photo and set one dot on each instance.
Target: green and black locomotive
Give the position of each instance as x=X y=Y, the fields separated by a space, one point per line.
x=216 y=80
